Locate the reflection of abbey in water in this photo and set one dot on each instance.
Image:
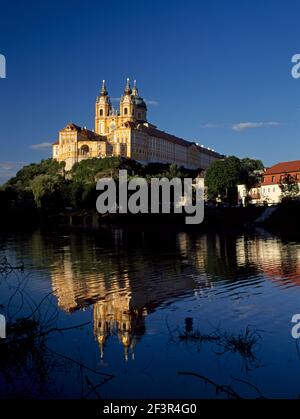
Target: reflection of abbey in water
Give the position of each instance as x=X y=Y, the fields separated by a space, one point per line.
x=122 y=295
x=124 y=287
x=117 y=317
x=114 y=311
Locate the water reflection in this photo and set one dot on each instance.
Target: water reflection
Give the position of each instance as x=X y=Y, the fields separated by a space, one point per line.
x=122 y=288
x=130 y=281
x=276 y=259
x=128 y=278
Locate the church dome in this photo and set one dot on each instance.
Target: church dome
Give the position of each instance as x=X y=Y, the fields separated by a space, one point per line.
x=139 y=101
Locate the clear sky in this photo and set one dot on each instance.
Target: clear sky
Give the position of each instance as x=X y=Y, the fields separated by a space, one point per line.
x=213 y=71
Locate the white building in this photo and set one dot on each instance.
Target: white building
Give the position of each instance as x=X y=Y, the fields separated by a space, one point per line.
x=269 y=190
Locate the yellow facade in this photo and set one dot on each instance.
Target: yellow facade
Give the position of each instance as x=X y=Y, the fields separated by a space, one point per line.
x=126 y=133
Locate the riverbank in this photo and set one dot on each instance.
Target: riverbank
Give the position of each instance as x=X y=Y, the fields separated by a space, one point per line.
x=283 y=217
x=214 y=217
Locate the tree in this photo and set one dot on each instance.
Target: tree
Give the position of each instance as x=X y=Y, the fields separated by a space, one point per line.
x=223 y=176
x=155 y=169
x=289 y=188
x=45 y=189
x=174 y=171
x=75 y=194
x=222 y=179
x=89 y=170
x=25 y=175
x=251 y=172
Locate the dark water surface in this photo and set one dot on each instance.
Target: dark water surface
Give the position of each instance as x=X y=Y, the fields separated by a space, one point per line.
x=157 y=303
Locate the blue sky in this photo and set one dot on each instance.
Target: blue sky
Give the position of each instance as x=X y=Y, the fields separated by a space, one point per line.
x=216 y=72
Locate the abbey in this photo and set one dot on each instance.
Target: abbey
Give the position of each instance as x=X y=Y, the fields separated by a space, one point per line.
x=127 y=133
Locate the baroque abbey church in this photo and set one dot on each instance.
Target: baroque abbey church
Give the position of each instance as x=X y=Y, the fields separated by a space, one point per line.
x=127 y=133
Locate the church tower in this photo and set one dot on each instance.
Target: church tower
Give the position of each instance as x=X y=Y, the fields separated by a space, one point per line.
x=140 y=107
x=127 y=104
x=103 y=110
x=132 y=106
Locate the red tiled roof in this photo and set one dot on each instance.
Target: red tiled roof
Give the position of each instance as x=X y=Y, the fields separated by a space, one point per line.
x=284 y=167
x=88 y=134
x=72 y=125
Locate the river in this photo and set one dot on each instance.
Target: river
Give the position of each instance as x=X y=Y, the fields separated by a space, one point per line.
x=142 y=307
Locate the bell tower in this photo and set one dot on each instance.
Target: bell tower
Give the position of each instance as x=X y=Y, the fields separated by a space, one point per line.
x=127 y=103
x=140 y=107
x=103 y=110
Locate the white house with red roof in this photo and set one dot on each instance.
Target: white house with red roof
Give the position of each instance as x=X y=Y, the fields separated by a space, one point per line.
x=269 y=191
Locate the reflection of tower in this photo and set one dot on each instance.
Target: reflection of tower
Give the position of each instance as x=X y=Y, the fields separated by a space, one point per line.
x=63 y=285
x=113 y=309
x=121 y=290
x=114 y=316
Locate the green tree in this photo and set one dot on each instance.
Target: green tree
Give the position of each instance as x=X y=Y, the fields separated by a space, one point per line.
x=24 y=176
x=222 y=179
x=155 y=169
x=174 y=171
x=251 y=172
x=91 y=169
x=45 y=189
x=289 y=188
